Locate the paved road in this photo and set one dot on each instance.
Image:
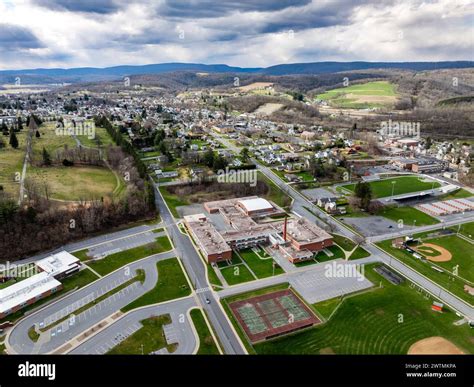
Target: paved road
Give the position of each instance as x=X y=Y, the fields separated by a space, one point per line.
x=197 y=271
x=299 y=204
x=59 y=334
x=180 y=329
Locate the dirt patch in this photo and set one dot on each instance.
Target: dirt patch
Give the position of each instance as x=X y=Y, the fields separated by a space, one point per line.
x=381 y=99
x=444 y=255
x=255 y=86
x=434 y=346
x=326 y=351
x=268 y=108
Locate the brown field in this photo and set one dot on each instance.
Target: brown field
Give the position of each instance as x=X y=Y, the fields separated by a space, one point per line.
x=434 y=346
x=255 y=86
x=444 y=255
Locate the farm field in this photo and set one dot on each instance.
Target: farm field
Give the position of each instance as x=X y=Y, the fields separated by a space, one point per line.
x=76 y=182
x=362 y=96
x=368 y=323
x=402 y=185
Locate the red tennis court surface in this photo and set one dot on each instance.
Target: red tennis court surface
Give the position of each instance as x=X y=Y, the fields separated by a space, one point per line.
x=272 y=314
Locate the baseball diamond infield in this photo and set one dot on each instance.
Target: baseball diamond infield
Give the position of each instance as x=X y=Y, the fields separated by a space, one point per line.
x=434 y=252
x=272 y=314
x=435 y=345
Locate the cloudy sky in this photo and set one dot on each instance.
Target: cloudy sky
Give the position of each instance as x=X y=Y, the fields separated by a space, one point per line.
x=248 y=33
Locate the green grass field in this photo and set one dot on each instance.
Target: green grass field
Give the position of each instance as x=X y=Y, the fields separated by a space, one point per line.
x=207 y=345
x=262 y=268
x=236 y=274
x=11 y=164
x=466 y=229
x=361 y=96
x=372 y=323
x=409 y=215
x=77 y=182
x=403 y=185
x=173 y=201
x=172 y=283
x=451 y=283
x=149 y=338
x=114 y=261
x=359 y=253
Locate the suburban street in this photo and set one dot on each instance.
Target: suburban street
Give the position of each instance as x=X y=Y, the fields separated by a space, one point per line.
x=298 y=207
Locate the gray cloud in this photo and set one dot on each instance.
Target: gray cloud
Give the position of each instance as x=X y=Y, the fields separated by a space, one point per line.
x=88 y=6
x=15 y=37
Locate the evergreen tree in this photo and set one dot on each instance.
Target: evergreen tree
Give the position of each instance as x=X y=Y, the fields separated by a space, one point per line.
x=13 y=140
x=46 y=157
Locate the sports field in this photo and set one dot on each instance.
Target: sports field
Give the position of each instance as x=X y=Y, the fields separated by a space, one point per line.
x=399 y=185
x=441 y=271
x=360 y=96
x=272 y=314
x=386 y=320
x=409 y=215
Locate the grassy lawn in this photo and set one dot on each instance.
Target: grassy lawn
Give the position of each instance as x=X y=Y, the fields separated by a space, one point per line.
x=343 y=242
x=338 y=253
x=11 y=164
x=359 y=253
x=467 y=229
x=459 y=194
x=409 y=215
x=262 y=268
x=173 y=201
x=50 y=141
x=213 y=278
x=172 y=283
x=101 y=136
x=237 y=274
x=114 y=261
x=150 y=338
x=82 y=255
x=326 y=308
x=372 y=323
x=77 y=182
x=458 y=248
x=207 y=345
x=403 y=185
x=76 y=281
x=449 y=282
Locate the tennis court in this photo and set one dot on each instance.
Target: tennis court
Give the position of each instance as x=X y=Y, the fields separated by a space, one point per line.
x=272 y=314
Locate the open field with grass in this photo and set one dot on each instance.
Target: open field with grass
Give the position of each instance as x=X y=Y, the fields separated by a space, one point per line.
x=466 y=229
x=369 y=323
x=409 y=215
x=150 y=337
x=207 y=345
x=11 y=164
x=237 y=274
x=448 y=281
x=261 y=267
x=172 y=283
x=101 y=138
x=114 y=261
x=77 y=182
x=402 y=185
x=50 y=141
x=362 y=96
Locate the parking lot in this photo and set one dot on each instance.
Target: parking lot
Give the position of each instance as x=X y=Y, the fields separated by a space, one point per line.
x=123 y=244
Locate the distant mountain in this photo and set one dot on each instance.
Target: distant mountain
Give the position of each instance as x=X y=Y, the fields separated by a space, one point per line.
x=92 y=74
x=333 y=67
